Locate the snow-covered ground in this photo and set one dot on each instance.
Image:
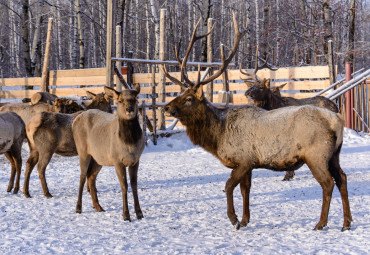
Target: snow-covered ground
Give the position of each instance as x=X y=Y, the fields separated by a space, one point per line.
x=182 y=198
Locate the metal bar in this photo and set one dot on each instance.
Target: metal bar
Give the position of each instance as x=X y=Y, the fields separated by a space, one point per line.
x=359 y=116
x=170 y=62
x=337 y=83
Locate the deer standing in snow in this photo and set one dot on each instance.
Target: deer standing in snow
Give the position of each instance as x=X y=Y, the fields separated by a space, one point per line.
x=245 y=138
x=104 y=139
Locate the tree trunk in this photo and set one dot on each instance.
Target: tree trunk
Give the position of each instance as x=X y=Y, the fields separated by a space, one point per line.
x=327 y=26
x=351 y=34
x=25 y=37
x=36 y=43
x=80 y=36
x=154 y=9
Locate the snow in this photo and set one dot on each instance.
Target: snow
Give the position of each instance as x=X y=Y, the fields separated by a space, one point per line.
x=181 y=195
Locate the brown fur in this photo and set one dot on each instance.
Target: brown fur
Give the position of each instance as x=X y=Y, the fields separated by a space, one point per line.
x=269 y=98
x=245 y=138
x=12 y=134
x=50 y=133
x=102 y=139
x=44 y=97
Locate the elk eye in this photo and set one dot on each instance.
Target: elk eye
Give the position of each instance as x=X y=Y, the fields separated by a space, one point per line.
x=188 y=100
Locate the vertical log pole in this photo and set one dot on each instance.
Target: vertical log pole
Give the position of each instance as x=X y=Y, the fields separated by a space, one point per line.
x=331 y=62
x=162 y=78
x=209 y=91
x=154 y=108
x=143 y=107
x=45 y=67
x=349 y=97
x=118 y=55
x=130 y=70
x=108 y=65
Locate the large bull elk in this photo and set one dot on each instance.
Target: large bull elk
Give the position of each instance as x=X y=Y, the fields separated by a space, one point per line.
x=245 y=138
x=104 y=139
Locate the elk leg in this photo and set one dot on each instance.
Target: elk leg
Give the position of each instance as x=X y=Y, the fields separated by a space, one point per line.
x=92 y=173
x=288 y=175
x=84 y=164
x=324 y=178
x=245 y=188
x=341 y=182
x=132 y=170
x=30 y=164
x=41 y=167
x=121 y=174
x=12 y=173
x=235 y=177
x=18 y=166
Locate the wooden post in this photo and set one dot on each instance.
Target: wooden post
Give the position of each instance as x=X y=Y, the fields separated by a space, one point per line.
x=209 y=89
x=331 y=62
x=45 y=68
x=349 y=97
x=118 y=55
x=130 y=69
x=108 y=65
x=143 y=107
x=162 y=77
x=154 y=108
x=225 y=78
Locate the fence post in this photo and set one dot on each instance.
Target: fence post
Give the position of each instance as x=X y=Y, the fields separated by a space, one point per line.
x=209 y=90
x=162 y=78
x=130 y=69
x=118 y=55
x=108 y=61
x=154 y=108
x=45 y=67
x=349 y=97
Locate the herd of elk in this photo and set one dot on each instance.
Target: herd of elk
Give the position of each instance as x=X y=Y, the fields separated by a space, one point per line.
x=49 y=133
x=243 y=138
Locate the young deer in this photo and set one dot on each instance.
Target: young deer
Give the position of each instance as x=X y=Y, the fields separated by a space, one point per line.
x=49 y=133
x=266 y=97
x=245 y=138
x=104 y=139
x=12 y=134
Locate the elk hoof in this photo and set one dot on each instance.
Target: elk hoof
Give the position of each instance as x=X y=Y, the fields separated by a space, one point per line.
x=346 y=228
x=48 y=195
x=139 y=216
x=27 y=195
x=78 y=209
x=15 y=191
x=237 y=225
x=9 y=189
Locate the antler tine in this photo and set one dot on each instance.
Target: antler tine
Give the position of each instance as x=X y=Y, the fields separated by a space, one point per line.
x=173 y=79
x=253 y=76
x=226 y=62
x=183 y=76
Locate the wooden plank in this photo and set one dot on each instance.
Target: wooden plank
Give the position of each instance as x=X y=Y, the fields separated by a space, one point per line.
x=15 y=94
x=68 y=81
x=9 y=82
x=304 y=72
x=77 y=72
x=75 y=91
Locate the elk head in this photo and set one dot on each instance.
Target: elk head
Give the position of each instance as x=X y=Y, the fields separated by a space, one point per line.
x=127 y=103
x=184 y=105
x=99 y=101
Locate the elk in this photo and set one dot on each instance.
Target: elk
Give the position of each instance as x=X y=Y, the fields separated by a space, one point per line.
x=104 y=139
x=12 y=134
x=26 y=111
x=264 y=96
x=49 y=133
x=247 y=137
x=42 y=97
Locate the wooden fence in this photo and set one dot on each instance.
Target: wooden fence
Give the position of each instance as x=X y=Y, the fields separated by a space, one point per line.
x=302 y=82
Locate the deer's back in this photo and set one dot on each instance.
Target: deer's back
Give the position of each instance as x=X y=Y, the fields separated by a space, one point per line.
x=12 y=129
x=283 y=136
x=25 y=111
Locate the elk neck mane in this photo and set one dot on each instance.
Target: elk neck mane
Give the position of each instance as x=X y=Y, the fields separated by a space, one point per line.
x=205 y=125
x=130 y=130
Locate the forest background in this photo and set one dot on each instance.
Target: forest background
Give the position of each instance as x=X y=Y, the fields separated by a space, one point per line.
x=290 y=32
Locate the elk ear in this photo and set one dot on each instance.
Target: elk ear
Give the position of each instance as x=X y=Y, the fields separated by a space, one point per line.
x=137 y=88
x=90 y=94
x=112 y=93
x=267 y=83
x=249 y=83
x=199 y=93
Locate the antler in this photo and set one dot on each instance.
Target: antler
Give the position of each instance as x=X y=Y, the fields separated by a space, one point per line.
x=225 y=62
x=256 y=67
